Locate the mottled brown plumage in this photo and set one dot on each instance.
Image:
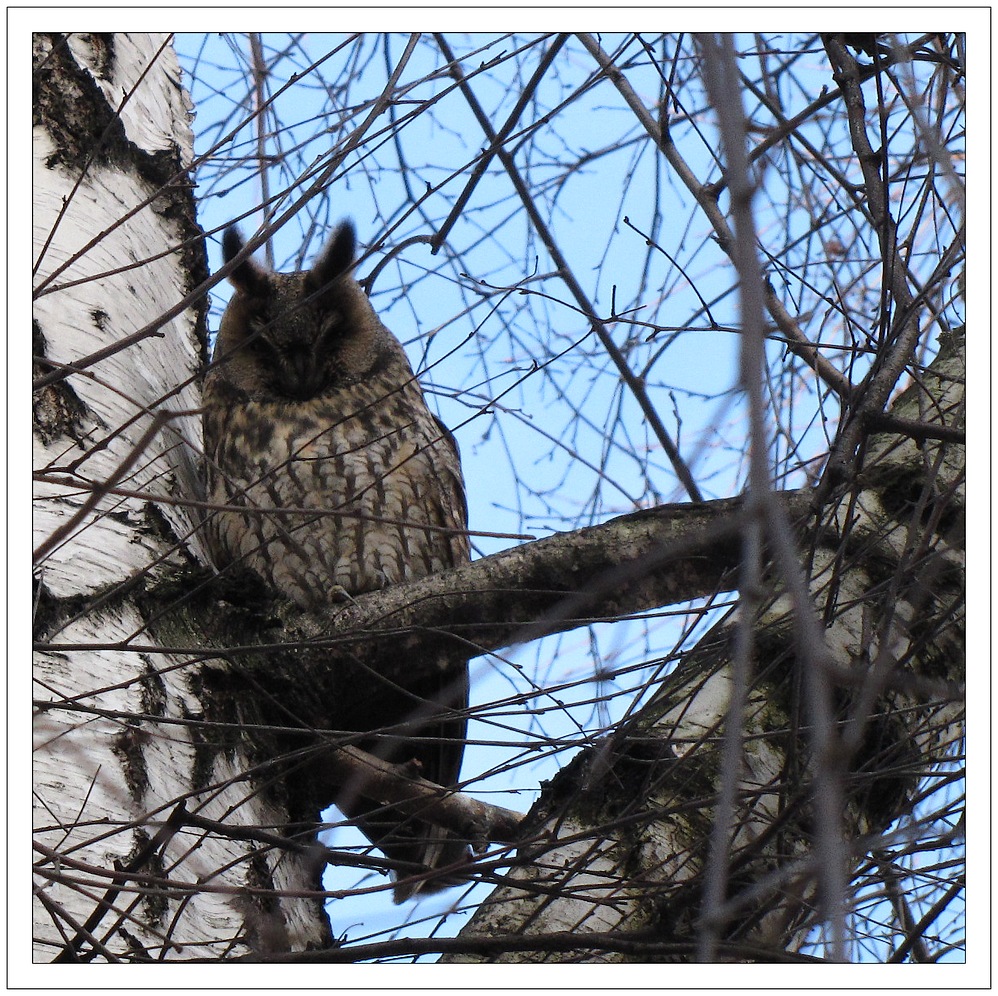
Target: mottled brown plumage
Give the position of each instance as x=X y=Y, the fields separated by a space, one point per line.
x=311 y=405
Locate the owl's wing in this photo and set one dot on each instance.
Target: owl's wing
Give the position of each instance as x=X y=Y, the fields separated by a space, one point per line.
x=456 y=483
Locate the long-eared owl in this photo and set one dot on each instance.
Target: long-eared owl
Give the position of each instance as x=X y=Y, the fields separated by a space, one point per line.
x=311 y=405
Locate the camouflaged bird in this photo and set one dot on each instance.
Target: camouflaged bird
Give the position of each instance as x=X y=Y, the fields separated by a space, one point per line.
x=311 y=405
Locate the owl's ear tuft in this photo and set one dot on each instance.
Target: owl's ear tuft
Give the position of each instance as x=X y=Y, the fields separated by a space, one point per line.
x=336 y=258
x=248 y=277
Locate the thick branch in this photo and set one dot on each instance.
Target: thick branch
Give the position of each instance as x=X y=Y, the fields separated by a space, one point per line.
x=633 y=563
x=401 y=786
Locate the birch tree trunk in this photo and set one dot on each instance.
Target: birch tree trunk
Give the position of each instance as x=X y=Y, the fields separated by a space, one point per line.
x=121 y=764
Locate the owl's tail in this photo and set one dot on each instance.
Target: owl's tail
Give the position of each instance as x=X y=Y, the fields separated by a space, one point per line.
x=432 y=731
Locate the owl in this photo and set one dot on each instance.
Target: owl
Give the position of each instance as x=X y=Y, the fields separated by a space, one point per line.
x=336 y=479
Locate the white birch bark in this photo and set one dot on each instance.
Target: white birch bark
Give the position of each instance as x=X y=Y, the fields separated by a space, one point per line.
x=109 y=767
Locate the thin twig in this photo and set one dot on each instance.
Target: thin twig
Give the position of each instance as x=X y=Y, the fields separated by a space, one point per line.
x=634 y=383
x=707 y=197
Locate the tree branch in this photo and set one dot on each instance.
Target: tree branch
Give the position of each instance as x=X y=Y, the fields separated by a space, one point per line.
x=640 y=561
x=401 y=786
